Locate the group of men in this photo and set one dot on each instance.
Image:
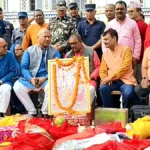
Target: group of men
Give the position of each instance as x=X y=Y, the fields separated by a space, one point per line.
x=115 y=50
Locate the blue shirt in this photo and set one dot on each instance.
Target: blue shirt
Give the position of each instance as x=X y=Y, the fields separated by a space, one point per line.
x=8 y=68
x=42 y=72
x=91 y=34
x=2 y=28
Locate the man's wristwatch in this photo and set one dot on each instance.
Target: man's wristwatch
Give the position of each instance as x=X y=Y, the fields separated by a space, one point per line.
x=1 y=82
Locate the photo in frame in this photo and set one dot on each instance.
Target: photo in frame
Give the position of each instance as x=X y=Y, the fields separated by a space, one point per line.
x=63 y=76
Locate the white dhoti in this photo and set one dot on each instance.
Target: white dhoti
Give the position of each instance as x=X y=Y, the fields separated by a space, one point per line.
x=5 y=92
x=92 y=94
x=22 y=93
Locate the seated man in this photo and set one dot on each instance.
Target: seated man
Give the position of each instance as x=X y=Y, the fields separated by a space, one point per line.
x=116 y=71
x=77 y=49
x=8 y=71
x=34 y=71
x=143 y=90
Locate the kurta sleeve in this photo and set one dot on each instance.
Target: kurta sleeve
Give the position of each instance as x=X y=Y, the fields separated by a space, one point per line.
x=96 y=62
x=26 y=40
x=127 y=62
x=25 y=66
x=103 y=69
x=138 y=44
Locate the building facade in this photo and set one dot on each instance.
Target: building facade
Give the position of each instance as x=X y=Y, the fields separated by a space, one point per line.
x=12 y=7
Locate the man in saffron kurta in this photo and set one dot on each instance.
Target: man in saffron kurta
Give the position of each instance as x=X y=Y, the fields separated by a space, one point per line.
x=77 y=49
x=34 y=71
x=127 y=30
x=31 y=36
x=116 y=71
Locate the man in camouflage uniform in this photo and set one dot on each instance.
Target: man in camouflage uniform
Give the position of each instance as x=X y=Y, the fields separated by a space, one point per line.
x=61 y=28
x=8 y=27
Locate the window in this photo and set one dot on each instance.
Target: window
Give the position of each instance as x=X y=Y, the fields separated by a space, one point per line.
x=32 y=5
x=54 y=2
x=81 y=4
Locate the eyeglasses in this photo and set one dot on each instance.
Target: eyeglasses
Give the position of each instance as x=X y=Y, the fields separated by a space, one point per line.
x=74 y=43
x=18 y=49
x=22 y=18
x=4 y=46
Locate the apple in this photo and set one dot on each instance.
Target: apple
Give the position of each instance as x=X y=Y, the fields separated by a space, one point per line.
x=59 y=120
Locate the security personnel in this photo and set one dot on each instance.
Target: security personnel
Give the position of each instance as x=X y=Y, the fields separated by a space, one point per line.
x=74 y=13
x=2 y=29
x=18 y=33
x=8 y=27
x=91 y=30
x=61 y=27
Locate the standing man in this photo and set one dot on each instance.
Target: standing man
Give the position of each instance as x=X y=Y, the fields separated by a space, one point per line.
x=31 y=36
x=34 y=71
x=19 y=33
x=110 y=12
x=74 y=12
x=2 y=29
x=61 y=27
x=91 y=30
x=135 y=14
x=128 y=31
x=8 y=71
x=8 y=27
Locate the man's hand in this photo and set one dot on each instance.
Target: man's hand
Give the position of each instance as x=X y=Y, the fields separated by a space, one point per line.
x=134 y=61
x=60 y=48
x=34 y=82
x=106 y=80
x=41 y=81
x=92 y=78
x=1 y=82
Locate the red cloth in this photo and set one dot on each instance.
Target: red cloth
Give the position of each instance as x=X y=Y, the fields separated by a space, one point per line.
x=32 y=141
x=62 y=131
x=87 y=133
x=147 y=38
x=110 y=128
x=112 y=145
x=56 y=132
x=142 y=28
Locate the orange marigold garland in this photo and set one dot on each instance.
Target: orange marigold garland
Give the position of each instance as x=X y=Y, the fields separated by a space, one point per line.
x=75 y=94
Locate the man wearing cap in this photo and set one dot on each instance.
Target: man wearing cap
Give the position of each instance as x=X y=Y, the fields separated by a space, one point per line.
x=8 y=27
x=18 y=33
x=74 y=12
x=127 y=29
x=61 y=28
x=135 y=14
x=31 y=36
x=91 y=30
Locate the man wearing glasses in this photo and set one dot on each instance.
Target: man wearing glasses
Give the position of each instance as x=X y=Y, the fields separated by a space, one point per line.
x=18 y=33
x=8 y=71
x=77 y=49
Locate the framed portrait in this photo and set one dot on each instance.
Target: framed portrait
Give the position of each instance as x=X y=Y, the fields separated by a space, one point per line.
x=69 y=86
